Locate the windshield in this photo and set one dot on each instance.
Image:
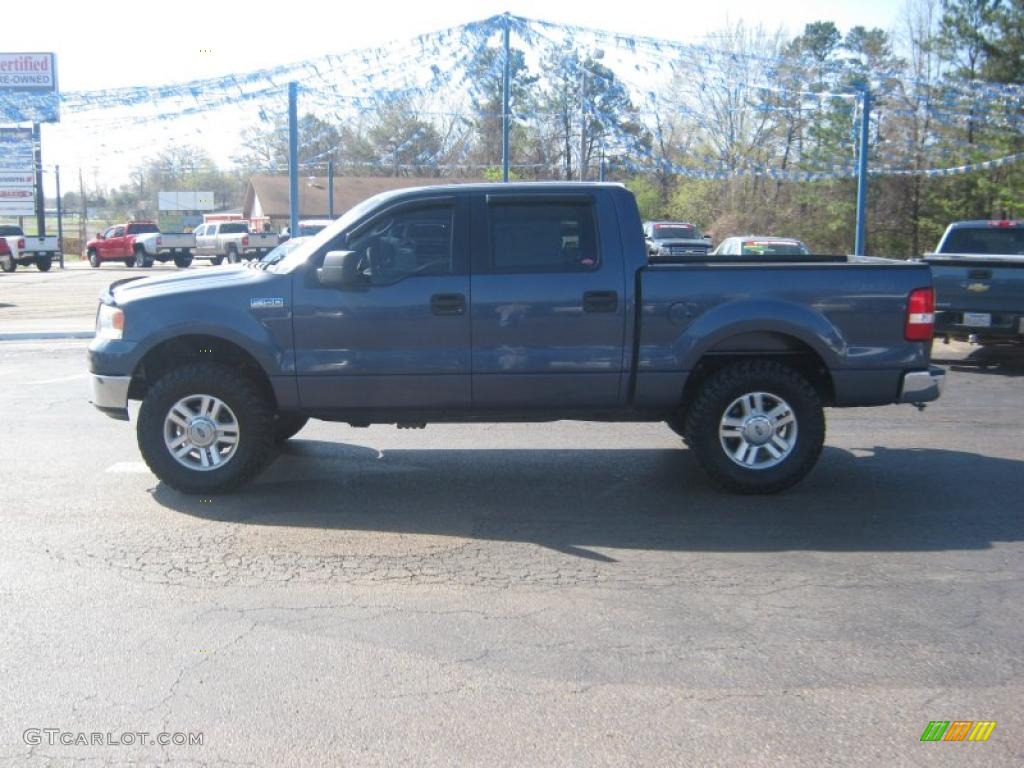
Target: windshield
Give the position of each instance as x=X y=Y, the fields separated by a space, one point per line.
x=773 y=248
x=310 y=229
x=280 y=252
x=140 y=229
x=992 y=241
x=680 y=231
x=234 y=227
x=311 y=244
x=9 y=231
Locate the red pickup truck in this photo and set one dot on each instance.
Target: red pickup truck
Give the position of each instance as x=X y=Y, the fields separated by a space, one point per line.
x=139 y=244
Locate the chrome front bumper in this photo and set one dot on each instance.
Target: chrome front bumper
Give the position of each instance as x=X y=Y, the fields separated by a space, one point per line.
x=110 y=395
x=922 y=386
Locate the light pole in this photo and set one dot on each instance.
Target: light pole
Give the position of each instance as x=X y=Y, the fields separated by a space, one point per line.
x=596 y=54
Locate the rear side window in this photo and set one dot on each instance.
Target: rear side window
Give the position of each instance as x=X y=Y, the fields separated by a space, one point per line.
x=140 y=229
x=990 y=242
x=234 y=228
x=543 y=237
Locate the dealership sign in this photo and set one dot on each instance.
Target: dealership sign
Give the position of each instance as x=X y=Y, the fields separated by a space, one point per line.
x=28 y=88
x=17 y=172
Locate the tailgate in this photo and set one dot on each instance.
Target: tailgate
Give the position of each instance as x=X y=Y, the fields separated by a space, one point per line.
x=977 y=285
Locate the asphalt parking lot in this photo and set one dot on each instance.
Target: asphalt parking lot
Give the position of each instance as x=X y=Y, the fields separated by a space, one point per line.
x=563 y=594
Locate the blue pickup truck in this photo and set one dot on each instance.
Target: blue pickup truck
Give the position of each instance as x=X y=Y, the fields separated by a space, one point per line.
x=514 y=302
x=978 y=269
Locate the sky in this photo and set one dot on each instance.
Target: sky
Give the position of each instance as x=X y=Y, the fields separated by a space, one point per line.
x=106 y=44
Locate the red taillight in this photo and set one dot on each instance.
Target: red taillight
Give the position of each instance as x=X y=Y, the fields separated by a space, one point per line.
x=4 y=248
x=245 y=241
x=158 y=241
x=1004 y=223
x=21 y=244
x=920 y=325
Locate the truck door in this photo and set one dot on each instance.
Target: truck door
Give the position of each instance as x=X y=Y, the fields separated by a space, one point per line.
x=548 y=310
x=111 y=245
x=203 y=239
x=400 y=337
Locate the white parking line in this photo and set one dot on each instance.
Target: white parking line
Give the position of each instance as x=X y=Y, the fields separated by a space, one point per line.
x=62 y=378
x=129 y=467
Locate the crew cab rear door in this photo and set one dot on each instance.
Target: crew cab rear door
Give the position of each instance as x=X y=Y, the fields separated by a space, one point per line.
x=548 y=300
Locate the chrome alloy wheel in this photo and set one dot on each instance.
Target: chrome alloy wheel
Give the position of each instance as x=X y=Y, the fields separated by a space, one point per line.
x=758 y=430
x=201 y=432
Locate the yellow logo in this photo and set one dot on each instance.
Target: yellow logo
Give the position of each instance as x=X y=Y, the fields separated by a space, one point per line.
x=977 y=287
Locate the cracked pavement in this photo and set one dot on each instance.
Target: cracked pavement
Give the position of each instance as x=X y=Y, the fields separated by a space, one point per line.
x=562 y=594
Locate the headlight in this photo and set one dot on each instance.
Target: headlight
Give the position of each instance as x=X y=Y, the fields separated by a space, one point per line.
x=109 y=322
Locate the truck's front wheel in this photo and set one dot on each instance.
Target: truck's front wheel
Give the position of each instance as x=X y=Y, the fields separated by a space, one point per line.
x=757 y=426
x=204 y=428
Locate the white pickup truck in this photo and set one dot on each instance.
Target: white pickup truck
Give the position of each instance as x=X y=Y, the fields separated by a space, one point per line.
x=18 y=248
x=164 y=246
x=233 y=241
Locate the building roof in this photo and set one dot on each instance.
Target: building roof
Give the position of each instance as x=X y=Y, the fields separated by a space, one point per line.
x=272 y=192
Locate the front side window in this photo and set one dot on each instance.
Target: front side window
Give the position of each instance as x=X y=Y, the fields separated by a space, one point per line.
x=543 y=237
x=118 y=232
x=411 y=241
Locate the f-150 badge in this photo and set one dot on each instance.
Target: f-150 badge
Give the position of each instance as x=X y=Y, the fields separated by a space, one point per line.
x=270 y=303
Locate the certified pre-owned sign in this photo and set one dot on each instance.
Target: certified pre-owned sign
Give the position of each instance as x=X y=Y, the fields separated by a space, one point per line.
x=28 y=72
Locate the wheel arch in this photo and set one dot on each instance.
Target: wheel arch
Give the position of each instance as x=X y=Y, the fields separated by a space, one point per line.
x=196 y=347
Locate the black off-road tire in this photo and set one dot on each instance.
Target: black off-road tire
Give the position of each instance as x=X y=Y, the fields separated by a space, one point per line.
x=183 y=260
x=8 y=265
x=43 y=263
x=722 y=389
x=94 y=259
x=142 y=259
x=287 y=425
x=130 y=262
x=217 y=261
x=251 y=406
x=233 y=257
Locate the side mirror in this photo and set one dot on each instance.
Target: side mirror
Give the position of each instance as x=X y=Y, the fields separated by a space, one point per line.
x=99 y=236
x=339 y=269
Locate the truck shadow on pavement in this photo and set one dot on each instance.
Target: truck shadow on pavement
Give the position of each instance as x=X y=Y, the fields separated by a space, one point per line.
x=874 y=499
x=1001 y=360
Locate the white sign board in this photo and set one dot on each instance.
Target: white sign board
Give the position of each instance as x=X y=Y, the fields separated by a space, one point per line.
x=28 y=72
x=185 y=201
x=17 y=177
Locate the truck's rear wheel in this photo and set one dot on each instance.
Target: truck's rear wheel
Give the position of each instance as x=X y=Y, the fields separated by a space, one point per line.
x=204 y=428
x=143 y=259
x=94 y=259
x=8 y=264
x=217 y=261
x=43 y=263
x=129 y=262
x=183 y=260
x=756 y=426
x=233 y=257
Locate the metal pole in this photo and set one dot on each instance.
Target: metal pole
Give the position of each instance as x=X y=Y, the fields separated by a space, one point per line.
x=583 y=115
x=293 y=158
x=37 y=150
x=60 y=219
x=82 y=221
x=330 y=189
x=602 y=165
x=506 y=118
x=860 y=243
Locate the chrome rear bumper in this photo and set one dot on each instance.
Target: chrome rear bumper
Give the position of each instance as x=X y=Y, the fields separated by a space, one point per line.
x=922 y=386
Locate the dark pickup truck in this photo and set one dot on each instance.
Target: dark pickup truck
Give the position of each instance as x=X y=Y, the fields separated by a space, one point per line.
x=515 y=302
x=978 y=269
